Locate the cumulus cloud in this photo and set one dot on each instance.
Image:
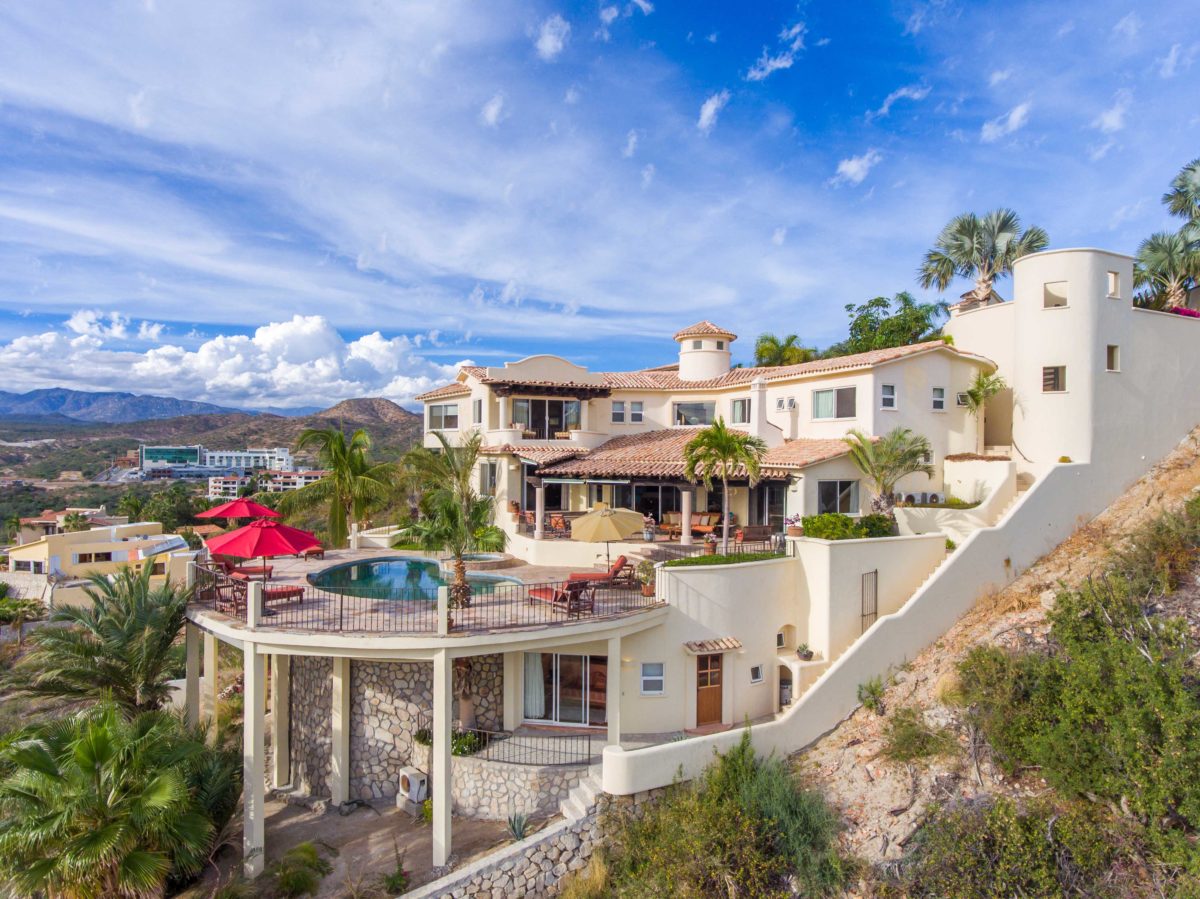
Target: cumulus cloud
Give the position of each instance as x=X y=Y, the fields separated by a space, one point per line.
x=791 y=42
x=855 y=169
x=301 y=361
x=493 y=112
x=710 y=109
x=1004 y=125
x=552 y=37
x=631 y=142
x=915 y=92
x=1112 y=119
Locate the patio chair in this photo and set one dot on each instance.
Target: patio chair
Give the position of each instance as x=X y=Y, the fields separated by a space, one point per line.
x=281 y=594
x=619 y=573
x=229 y=568
x=315 y=552
x=752 y=533
x=574 y=597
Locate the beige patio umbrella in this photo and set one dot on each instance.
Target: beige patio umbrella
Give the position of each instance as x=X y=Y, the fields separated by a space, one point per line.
x=603 y=525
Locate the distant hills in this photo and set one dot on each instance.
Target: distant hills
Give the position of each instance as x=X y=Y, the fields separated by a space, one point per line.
x=82 y=405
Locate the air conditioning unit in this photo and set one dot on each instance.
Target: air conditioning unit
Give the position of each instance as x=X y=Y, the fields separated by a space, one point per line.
x=414 y=785
x=791 y=402
x=934 y=499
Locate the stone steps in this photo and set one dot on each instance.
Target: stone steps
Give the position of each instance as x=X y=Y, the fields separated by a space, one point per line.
x=582 y=798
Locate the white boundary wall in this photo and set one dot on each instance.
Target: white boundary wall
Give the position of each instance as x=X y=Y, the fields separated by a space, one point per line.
x=992 y=484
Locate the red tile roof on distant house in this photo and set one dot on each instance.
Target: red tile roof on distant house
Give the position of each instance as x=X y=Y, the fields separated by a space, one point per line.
x=704 y=329
x=445 y=391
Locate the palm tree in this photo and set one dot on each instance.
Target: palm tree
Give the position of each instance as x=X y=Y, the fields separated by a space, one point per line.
x=980 y=248
x=1183 y=199
x=886 y=460
x=74 y=522
x=98 y=805
x=720 y=452
x=1167 y=265
x=983 y=388
x=15 y=611
x=354 y=484
x=12 y=525
x=770 y=351
x=119 y=648
x=131 y=505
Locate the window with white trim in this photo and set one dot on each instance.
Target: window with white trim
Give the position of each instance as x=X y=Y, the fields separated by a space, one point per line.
x=477 y=412
x=939 y=399
x=691 y=414
x=887 y=396
x=739 y=412
x=697 y=344
x=618 y=412
x=839 y=402
x=756 y=674
x=635 y=412
x=1114 y=285
x=443 y=417
x=488 y=475
x=962 y=399
x=720 y=344
x=837 y=496
x=653 y=679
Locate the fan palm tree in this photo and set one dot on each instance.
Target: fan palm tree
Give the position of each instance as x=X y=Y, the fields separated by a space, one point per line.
x=98 y=805
x=718 y=452
x=980 y=248
x=119 y=648
x=1183 y=199
x=770 y=351
x=353 y=486
x=886 y=460
x=131 y=505
x=1167 y=265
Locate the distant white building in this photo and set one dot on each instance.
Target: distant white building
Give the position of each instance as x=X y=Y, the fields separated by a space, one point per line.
x=197 y=461
x=229 y=486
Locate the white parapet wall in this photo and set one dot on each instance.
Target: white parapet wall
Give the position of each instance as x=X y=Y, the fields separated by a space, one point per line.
x=992 y=484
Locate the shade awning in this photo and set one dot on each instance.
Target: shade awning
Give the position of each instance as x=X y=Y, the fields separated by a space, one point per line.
x=708 y=647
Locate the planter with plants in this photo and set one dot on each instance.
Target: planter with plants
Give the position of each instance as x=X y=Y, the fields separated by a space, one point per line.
x=804 y=653
x=645 y=576
x=794 y=525
x=710 y=544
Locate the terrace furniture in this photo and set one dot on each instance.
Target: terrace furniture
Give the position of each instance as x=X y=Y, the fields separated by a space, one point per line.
x=558 y=525
x=574 y=597
x=227 y=567
x=281 y=594
x=752 y=533
x=702 y=523
x=620 y=573
x=317 y=552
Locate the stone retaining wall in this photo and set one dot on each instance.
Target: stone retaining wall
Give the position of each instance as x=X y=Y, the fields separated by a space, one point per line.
x=495 y=790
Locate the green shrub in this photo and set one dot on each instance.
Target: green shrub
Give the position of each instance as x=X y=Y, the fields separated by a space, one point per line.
x=835 y=526
x=718 y=559
x=465 y=742
x=423 y=736
x=951 y=546
x=299 y=871
x=870 y=695
x=908 y=737
x=427 y=811
x=589 y=883
x=518 y=826
x=396 y=881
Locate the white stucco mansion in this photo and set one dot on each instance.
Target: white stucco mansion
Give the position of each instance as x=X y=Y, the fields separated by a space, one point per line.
x=366 y=686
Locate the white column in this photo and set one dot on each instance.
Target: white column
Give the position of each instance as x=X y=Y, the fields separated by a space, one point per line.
x=253 y=763
x=254 y=603
x=514 y=663
x=584 y=416
x=686 y=496
x=208 y=704
x=281 y=679
x=727 y=688
x=443 y=673
x=191 y=687
x=539 y=514
x=612 y=698
x=339 y=777
x=505 y=420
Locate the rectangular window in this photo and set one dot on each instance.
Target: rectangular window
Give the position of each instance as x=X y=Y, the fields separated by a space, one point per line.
x=102 y=557
x=488 y=477
x=756 y=674
x=939 y=399
x=694 y=413
x=837 y=403
x=1114 y=285
x=443 y=417
x=22 y=566
x=1054 y=294
x=653 y=679
x=961 y=399
x=618 y=412
x=1054 y=379
x=837 y=496
x=779 y=404
x=887 y=396
x=779 y=644
x=635 y=412
x=477 y=411
x=739 y=412
x=1113 y=357
x=697 y=344
x=720 y=344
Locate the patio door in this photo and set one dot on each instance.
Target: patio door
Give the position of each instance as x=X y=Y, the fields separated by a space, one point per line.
x=562 y=688
x=708 y=689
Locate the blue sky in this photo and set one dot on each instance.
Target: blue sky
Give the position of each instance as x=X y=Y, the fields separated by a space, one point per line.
x=293 y=203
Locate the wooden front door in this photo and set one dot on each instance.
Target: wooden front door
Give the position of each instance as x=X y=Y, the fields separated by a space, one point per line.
x=708 y=690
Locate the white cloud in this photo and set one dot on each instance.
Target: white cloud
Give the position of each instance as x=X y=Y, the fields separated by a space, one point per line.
x=1128 y=26
x=631 y=142
x=824 y=42
x=139 y=111
x=648 y=172
x=150 y=331
x=1112 y=119
x=710 y=109
x=778 y=236
x=712 y=38
x=1004 y=125
x=855 y=169
x=924 y=15
x=791 y=40
x=645 y=6
x=493 y=111
x=1177 y=60
x=1099 y=151
x=999 y=77
x=914 y=92
x=552 y=37
x=571 y=97
x=92 y=322
x=1065 y=28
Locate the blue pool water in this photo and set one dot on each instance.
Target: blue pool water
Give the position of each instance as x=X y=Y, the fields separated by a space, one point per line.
x=398 y=577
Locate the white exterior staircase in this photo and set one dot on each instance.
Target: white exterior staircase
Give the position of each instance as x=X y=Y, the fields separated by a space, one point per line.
x=582 y=798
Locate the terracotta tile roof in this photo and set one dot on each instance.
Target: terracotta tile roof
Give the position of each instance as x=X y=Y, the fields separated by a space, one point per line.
x=720 y=644
x=659 y=454
x=203 y=530
x=541 y=454
x=704 y=329
x=445 y=392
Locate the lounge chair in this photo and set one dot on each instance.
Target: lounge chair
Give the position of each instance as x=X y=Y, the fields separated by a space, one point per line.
x=316 y=552
x=282 y=594
x=574 y=597
x=227 y=567
x=620 y=572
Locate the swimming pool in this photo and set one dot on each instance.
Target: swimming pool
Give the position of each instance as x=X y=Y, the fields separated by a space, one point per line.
x=400 y=578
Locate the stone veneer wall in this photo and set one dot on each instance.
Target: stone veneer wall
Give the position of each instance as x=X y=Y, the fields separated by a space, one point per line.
x=311 y=707
x=495 y=790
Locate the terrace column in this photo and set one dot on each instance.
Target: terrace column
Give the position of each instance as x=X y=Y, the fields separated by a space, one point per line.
x=191 y=685
x=253 y=762
x=612 y=697
x=443 y=673
x=281 y=712
x=505 y=418
x=339 y=776
x=584 y=417
x=686 y=496
x=208 y=704
x=539 y=514
x=513 y=696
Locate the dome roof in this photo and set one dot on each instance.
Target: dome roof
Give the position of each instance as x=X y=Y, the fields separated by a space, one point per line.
x=704 y=329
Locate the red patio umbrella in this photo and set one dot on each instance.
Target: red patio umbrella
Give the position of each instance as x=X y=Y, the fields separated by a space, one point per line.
x=263 y=539
x=239 y=508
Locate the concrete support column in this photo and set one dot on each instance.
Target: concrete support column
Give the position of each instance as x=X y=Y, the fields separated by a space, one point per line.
x=443 y=674
x=339 y=777
x=253 y=763
x=208 y=702
x=539 y=527
x=727 y=688
x=686 y=501
x=505 y=417
x=514 y=665
x=584 y=415
x=612 y=697
x=354 y=536
x=191 y=686
x=254 y=603
x=281 y=713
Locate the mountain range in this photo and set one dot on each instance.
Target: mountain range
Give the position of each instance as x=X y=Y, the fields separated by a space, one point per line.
x=112 y=407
